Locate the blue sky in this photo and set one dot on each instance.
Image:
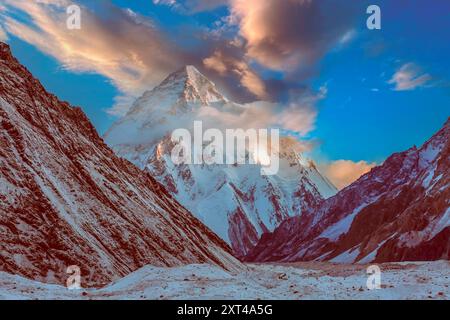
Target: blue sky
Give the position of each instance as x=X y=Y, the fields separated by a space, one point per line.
x=364 y=115
x=370 y=125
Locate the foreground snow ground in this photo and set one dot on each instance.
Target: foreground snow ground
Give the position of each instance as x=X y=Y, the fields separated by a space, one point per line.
x=309 y=280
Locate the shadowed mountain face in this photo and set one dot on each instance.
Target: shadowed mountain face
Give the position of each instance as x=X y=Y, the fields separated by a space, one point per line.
x=66 y=199
x=399 y=211
x=234 y=200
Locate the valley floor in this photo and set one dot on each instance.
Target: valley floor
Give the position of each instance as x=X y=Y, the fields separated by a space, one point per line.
x=309 y=280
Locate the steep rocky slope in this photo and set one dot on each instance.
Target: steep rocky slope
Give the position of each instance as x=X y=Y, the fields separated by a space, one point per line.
x=67 y=199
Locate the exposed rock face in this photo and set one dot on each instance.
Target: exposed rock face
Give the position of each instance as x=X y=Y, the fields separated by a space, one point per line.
x=67 y=199
x=235 y=201
x=399 y=211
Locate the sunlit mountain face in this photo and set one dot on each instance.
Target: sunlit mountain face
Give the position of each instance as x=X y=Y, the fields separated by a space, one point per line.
x=226 y=149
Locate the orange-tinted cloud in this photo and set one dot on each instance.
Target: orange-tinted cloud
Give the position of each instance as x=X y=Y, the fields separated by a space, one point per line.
x=127 y=48
x=285 y=35
x=131 y=52
x=343 y=172
x=135 y=54
x=229 y=65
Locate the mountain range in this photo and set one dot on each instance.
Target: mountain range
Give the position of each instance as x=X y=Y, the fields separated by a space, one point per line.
x=399 y=211
x=68 y=198
x=235 y=201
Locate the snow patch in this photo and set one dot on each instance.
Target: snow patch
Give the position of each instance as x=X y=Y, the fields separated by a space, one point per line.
x=348 y=256
x=342 y=226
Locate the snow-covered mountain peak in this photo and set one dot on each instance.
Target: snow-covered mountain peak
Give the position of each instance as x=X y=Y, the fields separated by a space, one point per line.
x=188 y=85
x=176 y=102
x=233 y=200
x=185 y=73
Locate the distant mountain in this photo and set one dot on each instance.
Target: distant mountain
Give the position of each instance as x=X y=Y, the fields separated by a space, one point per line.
x=235 y=201
x=67 y=199
x=399 y=211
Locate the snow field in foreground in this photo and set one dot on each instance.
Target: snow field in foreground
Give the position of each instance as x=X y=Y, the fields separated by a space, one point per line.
x=415 y=280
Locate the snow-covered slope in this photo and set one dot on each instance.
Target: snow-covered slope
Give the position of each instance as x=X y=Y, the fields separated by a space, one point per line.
x=235 y=201
x=67 y=199
x=398 y=211
x=425 y=280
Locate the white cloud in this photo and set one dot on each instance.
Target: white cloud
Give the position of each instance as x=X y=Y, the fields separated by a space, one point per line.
x=300 y=114
x=297 y=119
x=169 y=3
x=347 y=37
x=409 y=77
x=261 y=114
